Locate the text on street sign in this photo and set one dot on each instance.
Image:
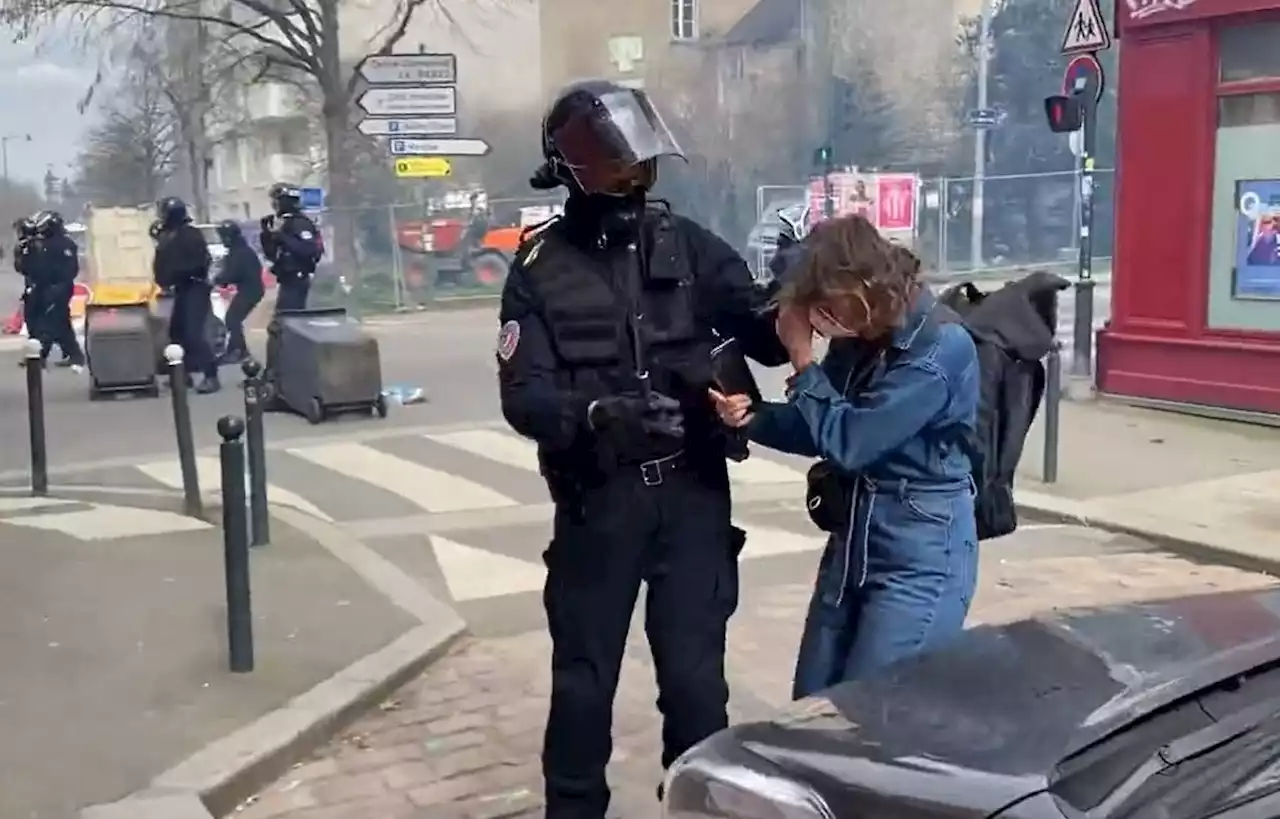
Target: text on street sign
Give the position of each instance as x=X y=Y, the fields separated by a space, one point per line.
x=430 y=101
x=439 y=147
x=418 y=167
x=408 y=69
x=1086 y=29
x=409 y=126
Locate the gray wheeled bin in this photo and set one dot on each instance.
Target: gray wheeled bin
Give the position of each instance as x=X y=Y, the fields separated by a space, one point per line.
x=322 y=362
x=119 y=348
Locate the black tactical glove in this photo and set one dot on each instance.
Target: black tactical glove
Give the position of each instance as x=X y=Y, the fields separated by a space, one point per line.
x=630 y=418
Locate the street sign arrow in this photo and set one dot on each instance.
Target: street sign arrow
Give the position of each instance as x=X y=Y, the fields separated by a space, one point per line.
x=409 y=126
x=394 y=101
x=439 y=147
x=409 y=69
x=420 y=167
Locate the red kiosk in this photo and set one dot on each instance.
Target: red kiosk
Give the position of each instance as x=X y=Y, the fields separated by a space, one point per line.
x=1195 y=315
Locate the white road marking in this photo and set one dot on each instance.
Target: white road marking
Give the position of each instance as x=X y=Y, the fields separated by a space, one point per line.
x=757 y=470
x=429 y=489
x=475 y=574
x=25 y=504
x=169 y=473
x=106 y=522
x=493 y=445
x=766 y=541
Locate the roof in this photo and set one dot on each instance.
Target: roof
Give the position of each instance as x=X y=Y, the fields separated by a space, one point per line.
x=769 y=22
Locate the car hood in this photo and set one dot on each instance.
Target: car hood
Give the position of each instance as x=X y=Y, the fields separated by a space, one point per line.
x=985 y=721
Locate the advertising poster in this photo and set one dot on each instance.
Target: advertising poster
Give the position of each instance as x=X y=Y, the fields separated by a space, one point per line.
x=1257 y=260
x=895 y=202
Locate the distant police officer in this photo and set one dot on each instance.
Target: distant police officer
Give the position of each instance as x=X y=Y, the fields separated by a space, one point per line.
x=241 y=269
x=292 y=245
x=24 y=250
x=181 y=266
x=608 y=319
x=57 y=263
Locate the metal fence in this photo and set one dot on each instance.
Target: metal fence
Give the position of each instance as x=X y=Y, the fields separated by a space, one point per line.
x=1028 y=220
x=410 y=255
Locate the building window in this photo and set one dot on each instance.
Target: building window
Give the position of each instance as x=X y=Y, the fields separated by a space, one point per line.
x=684 y=19
x=1251 y=52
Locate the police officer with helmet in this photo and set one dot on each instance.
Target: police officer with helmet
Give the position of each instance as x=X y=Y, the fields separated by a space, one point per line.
x=181 y=266
x=608 y=320
x=56 y=263
x=291 y=243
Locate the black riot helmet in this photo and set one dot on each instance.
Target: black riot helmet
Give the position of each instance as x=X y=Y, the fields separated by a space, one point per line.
x=48 y=223
x=599 y=137
x=285 y=198
x=229 y=232
x=171 y=212
x=25 y=227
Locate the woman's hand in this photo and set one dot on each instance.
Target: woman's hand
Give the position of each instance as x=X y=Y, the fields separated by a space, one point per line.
x=734 y=410
x=796 y=334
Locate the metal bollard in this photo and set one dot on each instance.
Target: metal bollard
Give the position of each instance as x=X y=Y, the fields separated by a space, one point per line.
x=235 y=543
x=259 y=516
x=1052 y=406
x=191 y=502
x=35 y=419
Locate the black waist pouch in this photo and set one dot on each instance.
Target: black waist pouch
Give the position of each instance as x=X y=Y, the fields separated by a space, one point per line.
x=827 y=497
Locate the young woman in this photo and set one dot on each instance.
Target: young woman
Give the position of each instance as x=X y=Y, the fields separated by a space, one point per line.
x=888 y=410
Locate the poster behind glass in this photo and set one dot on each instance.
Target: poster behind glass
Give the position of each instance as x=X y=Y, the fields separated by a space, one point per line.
x=1257 y=262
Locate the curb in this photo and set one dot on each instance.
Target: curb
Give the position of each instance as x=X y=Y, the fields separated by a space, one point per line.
x=216 y=779
x=1189 y=543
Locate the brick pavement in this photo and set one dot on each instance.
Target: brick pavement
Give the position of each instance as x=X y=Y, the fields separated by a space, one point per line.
x=461 y=742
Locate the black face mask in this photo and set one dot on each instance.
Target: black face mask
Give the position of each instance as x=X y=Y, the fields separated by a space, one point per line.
x=603 y=219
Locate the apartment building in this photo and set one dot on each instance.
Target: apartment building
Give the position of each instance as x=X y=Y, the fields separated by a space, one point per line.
x=271 y=132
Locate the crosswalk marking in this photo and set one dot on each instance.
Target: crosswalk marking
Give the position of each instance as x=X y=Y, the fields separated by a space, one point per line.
x=106 y=522
x=492 y=445
x=209 y=470
x=766 y=541
x=429 y=489
x=26 y=504
x=474 y=574
x=757 y=470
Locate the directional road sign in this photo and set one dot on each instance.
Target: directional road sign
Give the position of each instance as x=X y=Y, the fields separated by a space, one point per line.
x=409 y=69
x=409 y=126
x=428 y=101
x=418 y=167
x=312 y=198
x=439 y=147
x=1086 y=30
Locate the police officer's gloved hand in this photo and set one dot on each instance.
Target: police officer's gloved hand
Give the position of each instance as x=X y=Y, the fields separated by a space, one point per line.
x=631 y=416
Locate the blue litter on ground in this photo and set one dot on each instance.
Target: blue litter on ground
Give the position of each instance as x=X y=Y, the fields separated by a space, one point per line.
x=400 y=394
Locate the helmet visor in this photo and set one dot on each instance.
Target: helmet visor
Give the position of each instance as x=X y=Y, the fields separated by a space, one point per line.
x=610 y=148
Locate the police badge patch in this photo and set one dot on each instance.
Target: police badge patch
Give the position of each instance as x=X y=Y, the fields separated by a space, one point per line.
x=508 y=340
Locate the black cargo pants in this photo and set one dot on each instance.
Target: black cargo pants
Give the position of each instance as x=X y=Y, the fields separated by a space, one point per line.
x=56 y=325
x=188 y=328
x=676 y=537
x=292 y=292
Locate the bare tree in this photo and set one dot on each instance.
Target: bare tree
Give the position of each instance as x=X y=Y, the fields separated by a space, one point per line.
x=129 y=157
x=294 y=37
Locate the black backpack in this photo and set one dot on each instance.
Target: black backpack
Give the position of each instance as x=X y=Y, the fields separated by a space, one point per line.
x=1013 y=329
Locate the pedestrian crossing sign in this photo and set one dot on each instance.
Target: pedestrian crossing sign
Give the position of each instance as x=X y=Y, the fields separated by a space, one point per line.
x=1086 y=29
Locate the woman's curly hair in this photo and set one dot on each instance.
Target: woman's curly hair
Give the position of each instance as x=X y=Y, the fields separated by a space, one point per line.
x=847 y=260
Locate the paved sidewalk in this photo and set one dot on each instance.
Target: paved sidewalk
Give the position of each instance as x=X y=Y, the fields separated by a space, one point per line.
x=113 y=634
x=1202 y=487
x=462 y=741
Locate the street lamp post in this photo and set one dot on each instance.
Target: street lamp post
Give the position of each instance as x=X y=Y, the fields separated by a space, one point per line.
x=4 y=151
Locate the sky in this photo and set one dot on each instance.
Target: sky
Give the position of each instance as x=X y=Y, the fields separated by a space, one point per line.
x=40 y=84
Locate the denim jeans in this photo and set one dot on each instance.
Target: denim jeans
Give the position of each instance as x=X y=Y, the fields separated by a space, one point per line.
x=898 y=582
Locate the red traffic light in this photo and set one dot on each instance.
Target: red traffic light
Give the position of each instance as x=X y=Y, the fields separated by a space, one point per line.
x=1065 y=114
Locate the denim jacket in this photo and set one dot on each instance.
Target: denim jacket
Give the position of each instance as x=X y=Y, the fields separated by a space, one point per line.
x=899 y=438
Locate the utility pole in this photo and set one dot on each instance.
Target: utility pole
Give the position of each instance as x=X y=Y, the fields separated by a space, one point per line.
x=980 y=140
x=4 y=151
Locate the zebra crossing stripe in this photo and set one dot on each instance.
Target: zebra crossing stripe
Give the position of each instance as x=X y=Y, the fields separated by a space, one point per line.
x=493 y=445
x=209 y=470
x=768 y=541
x=758 y=470
x=102 y=521
x=429 y=489
x=476 y=574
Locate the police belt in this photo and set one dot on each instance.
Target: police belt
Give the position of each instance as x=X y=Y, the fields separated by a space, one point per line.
x=656 y=471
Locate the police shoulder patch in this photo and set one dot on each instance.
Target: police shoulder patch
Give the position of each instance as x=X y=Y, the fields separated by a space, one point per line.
x=306 y=234
x=508 y=340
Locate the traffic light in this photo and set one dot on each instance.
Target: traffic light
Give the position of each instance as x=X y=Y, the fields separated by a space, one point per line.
x=1065 y=114
x=822 y=156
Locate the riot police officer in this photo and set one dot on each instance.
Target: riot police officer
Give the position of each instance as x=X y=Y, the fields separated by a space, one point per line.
x=57 y=263
x=181 y=266
x=24 y=251
x=608 y=319
x=291 y=243
x=241 y=269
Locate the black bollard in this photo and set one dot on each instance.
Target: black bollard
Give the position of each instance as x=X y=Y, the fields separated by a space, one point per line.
x=1052 y=406
x=191 y=502
x=259 y=517
x=35 y=419
x=235 y=542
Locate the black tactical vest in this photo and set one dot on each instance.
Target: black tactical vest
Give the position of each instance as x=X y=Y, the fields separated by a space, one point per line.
x=590 y=297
